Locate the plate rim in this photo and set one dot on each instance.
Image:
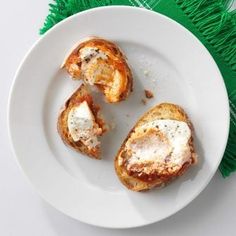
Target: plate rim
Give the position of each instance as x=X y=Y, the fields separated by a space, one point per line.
x=13 y=85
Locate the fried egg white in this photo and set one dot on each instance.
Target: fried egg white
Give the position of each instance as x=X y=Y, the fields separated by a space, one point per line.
x=160 y=144
x=82 y=126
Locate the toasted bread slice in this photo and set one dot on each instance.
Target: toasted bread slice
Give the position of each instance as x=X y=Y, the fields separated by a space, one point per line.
x=150 y=172
x=80 y=123
x=100 y=62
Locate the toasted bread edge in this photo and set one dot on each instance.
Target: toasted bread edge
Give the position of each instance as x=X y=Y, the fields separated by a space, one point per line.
x=161 y=111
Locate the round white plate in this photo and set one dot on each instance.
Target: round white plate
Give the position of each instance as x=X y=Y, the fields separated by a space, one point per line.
x=166 y=59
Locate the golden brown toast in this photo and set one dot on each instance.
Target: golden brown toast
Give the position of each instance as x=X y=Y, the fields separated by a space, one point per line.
x=138 y=181
x=100 y=62
x=80 y=95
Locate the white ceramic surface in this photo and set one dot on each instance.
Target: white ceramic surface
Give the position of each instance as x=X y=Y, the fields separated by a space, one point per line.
x=180 y=70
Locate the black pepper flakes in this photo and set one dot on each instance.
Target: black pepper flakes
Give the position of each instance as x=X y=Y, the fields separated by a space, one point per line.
x=87 y=59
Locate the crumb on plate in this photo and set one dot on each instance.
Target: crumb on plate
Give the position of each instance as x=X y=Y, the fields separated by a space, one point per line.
x=148 y=94
x=146 y=72
x=112 y=125
x=144 y=101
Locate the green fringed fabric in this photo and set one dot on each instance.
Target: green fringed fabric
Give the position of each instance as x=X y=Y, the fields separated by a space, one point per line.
x=228 y=163
x=216 y=23
x=62 y=9
x=211 y=21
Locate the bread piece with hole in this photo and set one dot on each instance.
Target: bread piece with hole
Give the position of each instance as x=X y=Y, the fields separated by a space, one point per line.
x=101 y=63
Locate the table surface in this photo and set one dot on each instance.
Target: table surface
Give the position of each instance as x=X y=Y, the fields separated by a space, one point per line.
x=23 y=212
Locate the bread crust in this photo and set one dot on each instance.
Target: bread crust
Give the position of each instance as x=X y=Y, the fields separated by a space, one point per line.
x=80 y=95
x=116 y=59
x=161 y=111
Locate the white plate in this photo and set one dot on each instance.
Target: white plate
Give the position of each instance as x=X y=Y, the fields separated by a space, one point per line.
x=180 y=70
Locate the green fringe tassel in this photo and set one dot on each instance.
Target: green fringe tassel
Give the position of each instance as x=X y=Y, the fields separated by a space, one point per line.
x=216 y=23
x=62 y=9
x=228 y=163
